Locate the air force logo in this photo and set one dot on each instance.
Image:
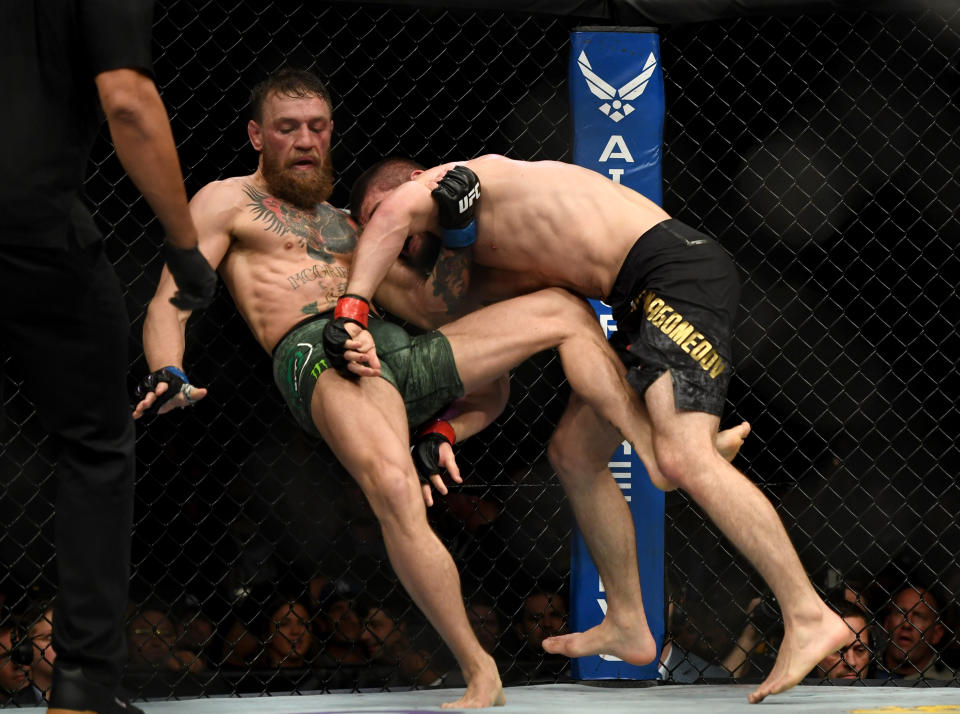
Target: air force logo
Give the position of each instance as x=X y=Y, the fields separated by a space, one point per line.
x=616 y=101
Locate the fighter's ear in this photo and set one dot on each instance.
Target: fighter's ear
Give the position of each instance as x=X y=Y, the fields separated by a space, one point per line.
x=256 y=135
x=415 y=173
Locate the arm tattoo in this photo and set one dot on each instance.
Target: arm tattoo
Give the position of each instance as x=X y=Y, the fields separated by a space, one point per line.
x=322 y=232
x=451 y=277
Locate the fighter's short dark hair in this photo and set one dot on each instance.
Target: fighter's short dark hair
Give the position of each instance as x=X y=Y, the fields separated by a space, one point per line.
x=288 y=82
x=386 y=174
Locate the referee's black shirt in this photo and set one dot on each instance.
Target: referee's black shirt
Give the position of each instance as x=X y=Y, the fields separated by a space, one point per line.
x=50 y=52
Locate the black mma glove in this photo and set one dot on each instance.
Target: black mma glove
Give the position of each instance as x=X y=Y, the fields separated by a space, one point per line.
x=426 y=449
x=456 y=195
x=175 y=379
x=350 y=308
x=196 y=280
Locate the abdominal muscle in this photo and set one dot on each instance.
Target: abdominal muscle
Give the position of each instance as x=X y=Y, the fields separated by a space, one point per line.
x=275 y=293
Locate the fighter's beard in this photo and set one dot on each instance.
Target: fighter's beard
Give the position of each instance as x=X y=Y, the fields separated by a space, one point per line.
x=304 y=189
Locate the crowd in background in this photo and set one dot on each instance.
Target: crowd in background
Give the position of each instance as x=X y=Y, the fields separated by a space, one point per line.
x=328 y=635
x=332 y=634
x=901 y=630
x=355 y=629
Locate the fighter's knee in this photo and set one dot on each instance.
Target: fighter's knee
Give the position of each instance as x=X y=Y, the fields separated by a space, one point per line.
x=393 y=493
x=563 y=306
x=566 y=454
x=673 y=464
x=559 y=455
x=500 y=392
x=662 y=482
x=681 y=465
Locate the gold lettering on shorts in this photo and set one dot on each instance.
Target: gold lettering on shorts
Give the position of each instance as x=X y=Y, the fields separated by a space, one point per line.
x=685 y=335
x=690 y=343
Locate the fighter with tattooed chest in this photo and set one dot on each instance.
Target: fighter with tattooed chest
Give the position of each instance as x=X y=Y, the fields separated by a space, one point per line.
x=674 y=293
x=285 y=256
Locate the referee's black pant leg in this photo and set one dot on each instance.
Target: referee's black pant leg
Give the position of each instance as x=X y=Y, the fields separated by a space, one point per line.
x=72 y=341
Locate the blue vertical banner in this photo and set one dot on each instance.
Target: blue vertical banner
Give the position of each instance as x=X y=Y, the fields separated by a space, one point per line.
x=617 y=104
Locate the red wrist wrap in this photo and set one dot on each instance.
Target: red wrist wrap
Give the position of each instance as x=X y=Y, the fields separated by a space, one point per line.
x=441 y=427
x=353 y=307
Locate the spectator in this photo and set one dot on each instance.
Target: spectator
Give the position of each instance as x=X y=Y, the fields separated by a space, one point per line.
x=853 y=661
x=544 y=615
x=319 y=587
x=386 y=639
x=914 y=629
x=286 y=636
x=40 y=624
x=339 y=626
x=690 y=622
x=161 y=665
x=679 y=664
x=152 y=640
x=485 y=622
x=241 y=645
x=195 y=635
x=852 y=591
x=14 y=666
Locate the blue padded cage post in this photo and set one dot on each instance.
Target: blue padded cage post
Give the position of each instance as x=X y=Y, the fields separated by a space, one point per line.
x=617 y=104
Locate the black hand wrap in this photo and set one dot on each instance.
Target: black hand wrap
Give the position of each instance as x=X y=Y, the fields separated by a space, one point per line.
x=426 y=449
x=196 y=280
x=175 y=380
x=456 y=196
x=350 y=308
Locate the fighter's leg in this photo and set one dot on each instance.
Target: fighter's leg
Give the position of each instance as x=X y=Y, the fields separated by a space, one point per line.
x=492 y=340
x=364 y=422
x=489 y=342
x=580 y=452
x=685 y=452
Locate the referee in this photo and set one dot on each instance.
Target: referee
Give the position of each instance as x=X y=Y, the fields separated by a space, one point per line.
x=63 y=65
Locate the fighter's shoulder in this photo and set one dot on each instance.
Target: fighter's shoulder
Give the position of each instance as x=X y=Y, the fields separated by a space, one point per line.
x=224 y=194
x=486 y=159
x=342 y=214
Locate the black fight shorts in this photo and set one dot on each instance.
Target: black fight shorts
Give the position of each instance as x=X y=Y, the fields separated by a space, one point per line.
x=675 y=300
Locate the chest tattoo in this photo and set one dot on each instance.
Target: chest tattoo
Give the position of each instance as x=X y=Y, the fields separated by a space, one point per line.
x=322 y=232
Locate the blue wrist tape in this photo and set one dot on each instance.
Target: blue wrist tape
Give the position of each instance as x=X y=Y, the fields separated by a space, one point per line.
x=460 y=237
x=179 y=372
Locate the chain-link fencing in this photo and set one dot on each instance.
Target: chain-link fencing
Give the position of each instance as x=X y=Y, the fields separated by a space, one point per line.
x=821 y=150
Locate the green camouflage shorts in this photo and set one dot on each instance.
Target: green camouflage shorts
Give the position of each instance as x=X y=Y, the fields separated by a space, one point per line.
x=420 y=367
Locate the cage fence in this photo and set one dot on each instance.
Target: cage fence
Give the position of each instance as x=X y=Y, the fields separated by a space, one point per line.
x=821 y=150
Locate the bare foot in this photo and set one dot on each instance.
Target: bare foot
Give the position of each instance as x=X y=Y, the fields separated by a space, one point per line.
x=803 y=646
x=484 y=689
x=633 y=644
x=730 y=440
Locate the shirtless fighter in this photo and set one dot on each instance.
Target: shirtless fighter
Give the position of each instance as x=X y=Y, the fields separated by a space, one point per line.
x=285 y=256
x=674 y=293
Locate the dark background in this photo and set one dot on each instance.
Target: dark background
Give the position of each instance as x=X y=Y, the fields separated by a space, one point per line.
x=820 y=149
